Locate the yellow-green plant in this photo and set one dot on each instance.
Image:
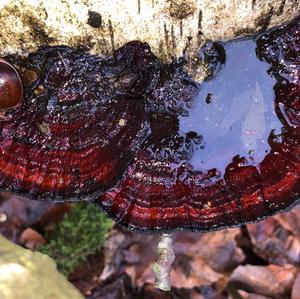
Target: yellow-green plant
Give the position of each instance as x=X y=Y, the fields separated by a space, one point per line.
x=81 y=233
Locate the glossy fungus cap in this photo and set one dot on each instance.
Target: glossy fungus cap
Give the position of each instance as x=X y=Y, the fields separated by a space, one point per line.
x=80 y=122
x=151 y=147
x=225 y=155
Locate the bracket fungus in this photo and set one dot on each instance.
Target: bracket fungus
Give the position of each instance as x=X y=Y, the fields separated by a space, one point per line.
x=80 y=122
x=233 y=159
x=154 y=149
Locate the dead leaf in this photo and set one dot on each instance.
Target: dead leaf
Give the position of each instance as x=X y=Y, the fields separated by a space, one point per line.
x=296 y=288
x=32 y=239
x=273 y=281
x=21 y=213
x=272 y=242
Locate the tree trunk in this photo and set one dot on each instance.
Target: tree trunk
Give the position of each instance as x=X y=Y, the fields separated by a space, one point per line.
x=169 y=26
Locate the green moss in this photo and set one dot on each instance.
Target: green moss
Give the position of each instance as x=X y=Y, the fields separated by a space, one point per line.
x=81 y=232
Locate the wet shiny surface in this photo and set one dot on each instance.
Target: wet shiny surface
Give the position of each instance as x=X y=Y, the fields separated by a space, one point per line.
x=80 y=122
x=151 y=147
x=11 y=89
x=227 y=155
x=240 y=114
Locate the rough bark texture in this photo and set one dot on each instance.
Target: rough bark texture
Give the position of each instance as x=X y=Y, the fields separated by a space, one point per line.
x=169 y=26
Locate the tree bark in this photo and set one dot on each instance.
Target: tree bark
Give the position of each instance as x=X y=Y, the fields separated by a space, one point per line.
x=169 y=26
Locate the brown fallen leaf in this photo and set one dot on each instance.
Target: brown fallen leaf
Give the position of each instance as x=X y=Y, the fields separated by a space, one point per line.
x=119 y=287
x=296 y=288
x=127 y=251
x=256 y=296
x=18 y=213
x=285 y=276
x=135 y=253
x=272 y=280
x=290 y=221
x=272 y=242
x=150 y=292
x=260 y=259
x=86 y=276
x=219 y=249
x=198 y=274
x=246 y=295
x=31 y=239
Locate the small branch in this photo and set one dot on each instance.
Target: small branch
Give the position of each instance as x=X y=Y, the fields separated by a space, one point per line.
x=162 y=266
x=64 y=63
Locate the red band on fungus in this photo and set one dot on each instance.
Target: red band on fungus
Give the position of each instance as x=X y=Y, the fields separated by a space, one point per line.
x=227 y=161
x=151 y=147
x=80 y=123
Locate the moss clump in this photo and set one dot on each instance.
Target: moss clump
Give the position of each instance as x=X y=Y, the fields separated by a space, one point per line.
x=81 y=232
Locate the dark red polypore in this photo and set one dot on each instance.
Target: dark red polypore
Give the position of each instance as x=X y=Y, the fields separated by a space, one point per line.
x=11 y=90
x=80 y=122
x=229 y=160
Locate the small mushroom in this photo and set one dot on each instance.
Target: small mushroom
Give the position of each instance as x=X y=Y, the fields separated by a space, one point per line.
x=11 y=89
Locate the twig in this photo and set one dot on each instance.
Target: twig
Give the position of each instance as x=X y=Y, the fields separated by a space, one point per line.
x=162 y=266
